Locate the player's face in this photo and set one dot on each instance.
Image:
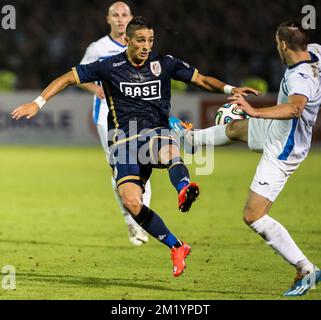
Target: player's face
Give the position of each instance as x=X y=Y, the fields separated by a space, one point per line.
x=118 y=17
x=280 y=45
x=140 y=45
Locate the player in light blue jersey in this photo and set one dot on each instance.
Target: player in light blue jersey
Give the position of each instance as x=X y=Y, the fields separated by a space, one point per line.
x=283 y=133
x=118 y=16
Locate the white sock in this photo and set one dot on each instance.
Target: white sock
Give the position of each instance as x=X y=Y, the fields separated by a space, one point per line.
x=214 y=136
x=279 y=239
x=147 y=195
x=305 y=266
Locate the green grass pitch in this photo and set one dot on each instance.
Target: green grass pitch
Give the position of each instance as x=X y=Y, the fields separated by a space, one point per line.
x=61 y=229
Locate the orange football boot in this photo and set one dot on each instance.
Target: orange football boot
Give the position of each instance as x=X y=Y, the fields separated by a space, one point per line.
x=178 y=256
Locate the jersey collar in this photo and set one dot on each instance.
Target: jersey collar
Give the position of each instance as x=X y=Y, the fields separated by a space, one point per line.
x=314 y=59
x=118 y=44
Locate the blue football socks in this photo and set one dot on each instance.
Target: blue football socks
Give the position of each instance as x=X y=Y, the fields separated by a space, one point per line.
x=155 y=226
x=179 y=175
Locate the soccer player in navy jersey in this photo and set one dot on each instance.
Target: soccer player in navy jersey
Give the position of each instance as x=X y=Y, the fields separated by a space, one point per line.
x=118 y=16
x=137 y=89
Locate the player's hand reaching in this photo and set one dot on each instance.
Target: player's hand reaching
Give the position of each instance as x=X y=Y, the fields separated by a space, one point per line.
x=244 y=91
x=27 y=110
x=243 y=105
x=100 y=92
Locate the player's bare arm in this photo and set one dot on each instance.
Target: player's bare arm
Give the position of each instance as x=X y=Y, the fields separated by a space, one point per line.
x=29 y=110
x=212 y=84
x=290 y=110
x=93 y=88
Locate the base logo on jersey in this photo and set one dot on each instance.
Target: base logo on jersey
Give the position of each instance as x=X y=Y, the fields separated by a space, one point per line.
x=150 y=90
x=156 y=68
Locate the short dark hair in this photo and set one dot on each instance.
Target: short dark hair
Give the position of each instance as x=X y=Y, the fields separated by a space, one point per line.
x=137 y=23
x=294 y=35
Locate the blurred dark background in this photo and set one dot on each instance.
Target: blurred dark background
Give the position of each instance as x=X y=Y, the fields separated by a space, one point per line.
x=231 y=40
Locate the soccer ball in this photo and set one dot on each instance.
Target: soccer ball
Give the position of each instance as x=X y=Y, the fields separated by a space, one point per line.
x=229 y=112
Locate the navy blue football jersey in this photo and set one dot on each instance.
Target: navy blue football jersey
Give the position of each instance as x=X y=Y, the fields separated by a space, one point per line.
x=139 y=94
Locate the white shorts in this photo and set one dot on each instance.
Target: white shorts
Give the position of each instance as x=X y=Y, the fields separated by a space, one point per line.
x=269 y=179
x=271 y=173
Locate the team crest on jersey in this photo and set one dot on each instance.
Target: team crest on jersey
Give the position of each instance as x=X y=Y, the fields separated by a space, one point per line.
x=156 y=68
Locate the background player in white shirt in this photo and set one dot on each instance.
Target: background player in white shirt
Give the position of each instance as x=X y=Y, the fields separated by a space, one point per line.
x=118 y=16
x=283 y=133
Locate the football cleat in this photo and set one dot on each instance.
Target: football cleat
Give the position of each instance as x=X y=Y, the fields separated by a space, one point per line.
x=303 y=283
x=178 y=125
x=187 y=196
x=136 y=235
x=178 y=256
x=184 y=130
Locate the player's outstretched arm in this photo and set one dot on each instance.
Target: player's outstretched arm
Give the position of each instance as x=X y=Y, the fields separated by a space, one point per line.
x=29 y=110
x=93 y=88
x=292 y=109
x=212 y=84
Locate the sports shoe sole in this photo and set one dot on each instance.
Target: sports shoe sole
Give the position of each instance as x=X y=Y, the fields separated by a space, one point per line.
x=191 y=195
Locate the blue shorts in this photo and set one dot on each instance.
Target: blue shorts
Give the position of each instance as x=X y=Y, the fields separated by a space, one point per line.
x=133 y=159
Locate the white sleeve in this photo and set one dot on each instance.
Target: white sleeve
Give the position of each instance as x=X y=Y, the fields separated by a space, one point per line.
x=302 y=84
x=91 y=55
x=315 y=48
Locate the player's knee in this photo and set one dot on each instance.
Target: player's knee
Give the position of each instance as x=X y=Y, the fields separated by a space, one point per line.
x=167 y=153
x=132 y=204
x=233 y=130
x=237 y=130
